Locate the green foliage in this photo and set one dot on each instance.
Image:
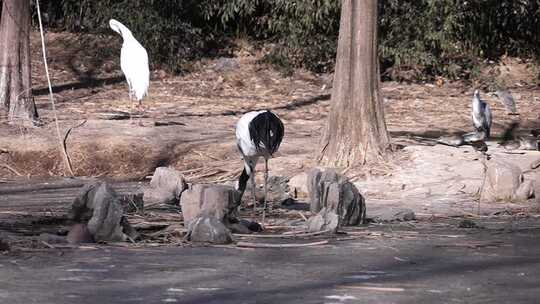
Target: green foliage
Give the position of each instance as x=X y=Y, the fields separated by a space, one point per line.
x=431 y=37
x=304 y=32
x=172 y=31
x=449 y=37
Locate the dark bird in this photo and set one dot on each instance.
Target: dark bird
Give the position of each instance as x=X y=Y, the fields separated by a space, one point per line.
x=507 y=100
x=258 y=134
x=481 y=114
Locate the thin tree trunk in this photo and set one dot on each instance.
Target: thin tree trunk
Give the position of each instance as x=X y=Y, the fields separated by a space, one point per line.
x=356 y=130
x=15 y=73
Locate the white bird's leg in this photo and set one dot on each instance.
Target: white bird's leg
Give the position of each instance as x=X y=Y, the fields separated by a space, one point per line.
x=130 y=103
x=141 y=110
x=265 y=188
x=130 y=110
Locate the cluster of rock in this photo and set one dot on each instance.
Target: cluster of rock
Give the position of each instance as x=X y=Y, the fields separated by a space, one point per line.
x=209 y=211
x=505 y=181
x=99 y=216
x=335 y=200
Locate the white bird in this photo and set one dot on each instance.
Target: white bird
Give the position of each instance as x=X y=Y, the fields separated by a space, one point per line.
x=134 y=63
x=481 y=115
x=258 y=134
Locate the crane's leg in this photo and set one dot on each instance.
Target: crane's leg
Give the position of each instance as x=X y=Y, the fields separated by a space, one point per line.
x=265 y=188
x=130 y=101
x=253 y=190
x=130 y=110
x=141 y=110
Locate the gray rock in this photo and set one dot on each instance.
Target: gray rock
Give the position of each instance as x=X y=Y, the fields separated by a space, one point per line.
x=208 y=229
x=451 y=140
x=298 y=185
x=535 y=164
x=474 y=136
x=468 y=224
x=329 y=193
x=52 y=238
x=78 y=234
x=217 y=201
x=4 y=245
x=511 y=145
x=166 y=187
x=528 y=143
x=99 y=207
x=243 y=226
x=278 y=190
x=524 y=192
x=316 y=181
x=226 y=64
x=501 y=182
x=392 y=215
x=536 y=185
x=326 y=219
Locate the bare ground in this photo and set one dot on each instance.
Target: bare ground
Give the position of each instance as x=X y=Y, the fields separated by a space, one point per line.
x=188 y=123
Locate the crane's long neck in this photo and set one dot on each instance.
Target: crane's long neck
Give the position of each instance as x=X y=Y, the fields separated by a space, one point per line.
x=126 y=34
x=476 y=104
x=124 y=31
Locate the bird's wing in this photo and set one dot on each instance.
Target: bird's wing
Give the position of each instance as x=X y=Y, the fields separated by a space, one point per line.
x=487 y=113
x=507 y=100
x=134 y=64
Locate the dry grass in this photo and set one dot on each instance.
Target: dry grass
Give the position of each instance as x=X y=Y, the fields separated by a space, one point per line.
x=88 y=83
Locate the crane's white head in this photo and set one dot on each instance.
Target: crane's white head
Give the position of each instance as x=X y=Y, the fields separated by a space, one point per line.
x=118 y=27
x=477 y=93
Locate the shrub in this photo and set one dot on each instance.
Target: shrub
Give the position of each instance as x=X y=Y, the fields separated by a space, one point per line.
x=433 y=37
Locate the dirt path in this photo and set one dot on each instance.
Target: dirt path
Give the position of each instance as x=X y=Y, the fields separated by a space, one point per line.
x=432 y=262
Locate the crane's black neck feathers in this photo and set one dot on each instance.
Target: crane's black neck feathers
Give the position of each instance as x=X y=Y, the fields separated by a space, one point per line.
x=266 y=131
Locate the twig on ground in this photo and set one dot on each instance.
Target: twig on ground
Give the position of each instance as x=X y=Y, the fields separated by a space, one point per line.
x=283 y=235
x=375 y=288
x=48 y=245
x=266 y=245
x=64 y=143
x=10 y=168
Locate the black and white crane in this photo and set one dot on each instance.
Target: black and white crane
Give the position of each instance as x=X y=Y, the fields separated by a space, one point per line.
x=481 y=115
x=258 y=134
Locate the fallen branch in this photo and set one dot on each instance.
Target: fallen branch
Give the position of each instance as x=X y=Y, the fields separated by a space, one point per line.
x=64 y=143
x=48 y=245
x=302 y=216
x=10 y=168
x=535 y=164
x=375 y=288
x=266 y=245
x=296 y=234
x=284 y=235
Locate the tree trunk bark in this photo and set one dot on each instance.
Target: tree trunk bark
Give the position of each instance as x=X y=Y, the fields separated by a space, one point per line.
x=15 y=74
x=356 y=130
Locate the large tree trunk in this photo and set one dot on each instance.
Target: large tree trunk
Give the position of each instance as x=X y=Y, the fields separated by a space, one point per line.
x=15 y=76
x=356 y=131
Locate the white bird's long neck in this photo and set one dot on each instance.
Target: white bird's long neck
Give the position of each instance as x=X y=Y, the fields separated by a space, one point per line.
x=476 y=104
x=126 y=33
